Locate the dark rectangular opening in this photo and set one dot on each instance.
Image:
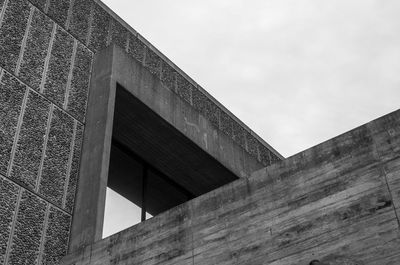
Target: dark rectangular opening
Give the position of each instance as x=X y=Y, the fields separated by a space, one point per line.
x=152 y=164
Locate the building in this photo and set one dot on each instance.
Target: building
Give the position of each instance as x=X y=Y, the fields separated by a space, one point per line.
x=86 y=103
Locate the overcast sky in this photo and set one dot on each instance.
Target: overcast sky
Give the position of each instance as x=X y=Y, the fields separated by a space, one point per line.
x=297 y=72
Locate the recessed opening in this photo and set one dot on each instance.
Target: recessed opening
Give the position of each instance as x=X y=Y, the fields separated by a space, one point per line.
x=153 y=167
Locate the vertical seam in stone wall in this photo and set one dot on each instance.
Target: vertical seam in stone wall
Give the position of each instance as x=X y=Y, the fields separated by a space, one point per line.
x=69 y=164
x=69 y=14
x=46 y=6
x=87 y=93
x=144 y=55
x=46 y=138
x=391 y=195
x=43 y=237
x=90 y=25
x=47 y=60
x=14 y=221
x=176 y=83
x=17 y=131
x=71 y=70
x=127 y=41
x=24 y=40
x=109 y=32
x=3 y=11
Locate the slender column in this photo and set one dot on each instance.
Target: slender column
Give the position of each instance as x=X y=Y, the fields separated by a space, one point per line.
x=144 y=190
x=87 y=224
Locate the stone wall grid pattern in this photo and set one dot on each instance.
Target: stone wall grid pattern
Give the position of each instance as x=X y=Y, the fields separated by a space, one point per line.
x=102 y=28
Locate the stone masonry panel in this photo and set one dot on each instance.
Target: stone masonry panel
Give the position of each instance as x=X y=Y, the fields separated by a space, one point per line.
x=153 y=62
x=58 y=10
x=118 y=33
x=136 y=48
x=35 y=53
x=168 y=76
x=74 y=172
x=11 y=97
x=28 y=230
x=79 y=25
x=59 y=67
x=8 y=198
x=55 y=163
x=30 y=143
x=79 y=89
x=56 y=239
x=184 y=88
x=12 y=32
x=99 y=29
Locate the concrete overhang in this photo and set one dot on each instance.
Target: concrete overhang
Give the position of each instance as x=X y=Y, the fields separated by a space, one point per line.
x=130 y=105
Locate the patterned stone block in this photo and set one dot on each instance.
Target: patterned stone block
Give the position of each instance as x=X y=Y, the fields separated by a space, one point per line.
x=252 y=145
x=30 y=144
x=41 y=4
x=226 y=124
x=28 y=230
x=184 y=88
x=56 y=240
x=35 y=53
x=168 y=75
x=99 y=30
x=79 y=24
x=74 y=172
x=206 y=107
x=153 y=62
x=136 y=48
x=59 y=67
x=11 y=97
x=58 y=10
x=1 y=5
x=239 y=134
x=57 y=153
x=265 y=155
x=8 y=199
x=12 y=32
x=119 y=34
x=78 y=92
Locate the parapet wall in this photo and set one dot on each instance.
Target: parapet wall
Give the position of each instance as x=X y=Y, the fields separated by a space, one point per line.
x=337 y=202
x=46 y=53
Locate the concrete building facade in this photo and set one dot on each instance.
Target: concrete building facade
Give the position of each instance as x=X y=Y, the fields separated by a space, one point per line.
x=86 y=102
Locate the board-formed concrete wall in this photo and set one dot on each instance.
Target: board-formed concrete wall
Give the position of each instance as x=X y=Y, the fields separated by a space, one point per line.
x=46 y=52
x=337 y=202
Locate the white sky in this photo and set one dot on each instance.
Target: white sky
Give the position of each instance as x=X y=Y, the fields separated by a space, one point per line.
x=297 y=72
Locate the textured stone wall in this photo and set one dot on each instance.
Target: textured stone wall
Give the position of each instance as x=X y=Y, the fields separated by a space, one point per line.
x=46 y=51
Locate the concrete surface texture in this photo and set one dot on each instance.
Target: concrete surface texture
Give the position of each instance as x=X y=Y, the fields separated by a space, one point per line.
x=46 y=54
x=336 y=203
